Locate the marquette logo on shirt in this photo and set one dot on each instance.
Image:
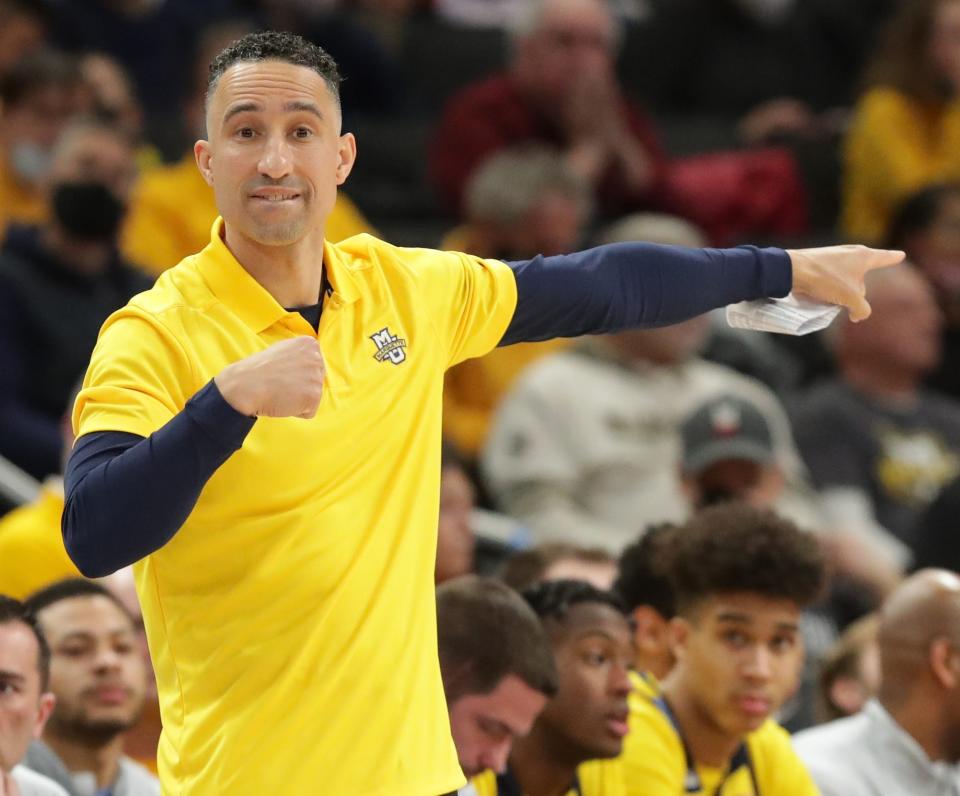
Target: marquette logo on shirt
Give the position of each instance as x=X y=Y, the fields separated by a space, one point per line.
x=389 y=346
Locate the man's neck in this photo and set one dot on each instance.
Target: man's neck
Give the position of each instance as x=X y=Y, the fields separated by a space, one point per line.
x=542 y=764
x=707 y=743
x=915 y=717
x=292 y=274
x=103 y=761
x=87 y=258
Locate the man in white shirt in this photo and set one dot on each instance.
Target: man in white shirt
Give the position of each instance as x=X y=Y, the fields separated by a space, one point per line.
x=25 y=703
x=908 y=739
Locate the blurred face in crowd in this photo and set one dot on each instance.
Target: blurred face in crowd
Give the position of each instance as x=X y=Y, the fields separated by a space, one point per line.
x=455 y=542
x=754 y=483
x=936 y=253
x=274 y=153
x=738 y=659
x=593 y=650
x=670 y=345
x=23 y=707
x=97 y=670
x=31 y=127
x=945 y=40
x=903 y=333
x=554 y=225
x=484 y=726
x=95 y=155
x=573 y=39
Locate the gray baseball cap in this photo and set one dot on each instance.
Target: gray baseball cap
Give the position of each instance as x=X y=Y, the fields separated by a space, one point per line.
x=725 y=427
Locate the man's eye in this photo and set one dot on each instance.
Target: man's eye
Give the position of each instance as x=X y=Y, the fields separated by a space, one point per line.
x=782 y=643
x=735 y=638
x=245 y=132
x=303 y=132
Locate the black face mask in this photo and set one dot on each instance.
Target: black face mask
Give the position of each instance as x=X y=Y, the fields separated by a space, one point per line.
x=87 y=210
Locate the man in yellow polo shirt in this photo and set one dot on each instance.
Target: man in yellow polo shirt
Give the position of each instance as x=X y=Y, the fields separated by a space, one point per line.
x=284 y=544
x=740 y=577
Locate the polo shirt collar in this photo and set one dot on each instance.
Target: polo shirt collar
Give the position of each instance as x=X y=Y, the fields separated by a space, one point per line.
x=232 y=284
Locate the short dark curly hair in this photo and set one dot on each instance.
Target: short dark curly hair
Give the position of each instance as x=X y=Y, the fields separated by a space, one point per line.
x=642 y=578
x=270 y=45
x=733 y=547
x=553 y=599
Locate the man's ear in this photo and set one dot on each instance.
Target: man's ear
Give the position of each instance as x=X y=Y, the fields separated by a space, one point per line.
x=47 y=701
x=347 y=151
x=679 y=630
x=945 y=662
x=204 y=158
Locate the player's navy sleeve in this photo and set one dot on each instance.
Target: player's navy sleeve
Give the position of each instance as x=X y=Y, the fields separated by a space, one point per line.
x=127 y=495
x=626 y=285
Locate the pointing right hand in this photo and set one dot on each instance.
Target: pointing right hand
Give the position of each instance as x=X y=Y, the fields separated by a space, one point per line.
x=284 y=380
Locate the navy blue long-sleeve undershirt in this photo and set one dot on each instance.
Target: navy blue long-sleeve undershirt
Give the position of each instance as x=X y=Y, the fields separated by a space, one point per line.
x=126 y=495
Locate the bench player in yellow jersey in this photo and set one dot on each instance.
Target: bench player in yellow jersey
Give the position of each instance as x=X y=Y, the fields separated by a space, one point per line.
x=259 y=434
x=587 y=718
x=740 y=578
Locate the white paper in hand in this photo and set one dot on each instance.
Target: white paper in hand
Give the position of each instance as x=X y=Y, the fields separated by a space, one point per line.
x=789 y=315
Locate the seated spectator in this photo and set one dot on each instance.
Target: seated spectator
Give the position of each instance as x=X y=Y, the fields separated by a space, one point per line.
x=905 y=133
x=32 y=554
x=587 y=446
x=879 y=446
x=58 y=283
x=24 y=675
x=850 y=671
x=173 y=209
x=38 y=97
x=455 y=539
x=98 y=678
x=587 y=718
x=559 y=561
x=906 y=740
x=741 y=578
x=520 y=203
x=927 y=227
x=560 y=89
x=497 y=668
x=644 y=586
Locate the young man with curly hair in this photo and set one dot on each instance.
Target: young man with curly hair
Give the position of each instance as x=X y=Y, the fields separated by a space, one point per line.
x=741 y=578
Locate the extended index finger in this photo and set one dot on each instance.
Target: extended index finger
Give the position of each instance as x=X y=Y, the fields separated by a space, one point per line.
x=882 y=258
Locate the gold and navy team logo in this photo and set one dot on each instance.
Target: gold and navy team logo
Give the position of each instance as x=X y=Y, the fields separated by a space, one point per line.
x=389 y=346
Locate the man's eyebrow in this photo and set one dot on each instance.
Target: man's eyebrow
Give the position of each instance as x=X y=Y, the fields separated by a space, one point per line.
x=241 y=107
x=302 y=105
x=8 y=676
x=735 y=616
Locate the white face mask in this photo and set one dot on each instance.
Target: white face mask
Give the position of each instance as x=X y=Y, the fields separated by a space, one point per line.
x=768 y=12
x=30 y=162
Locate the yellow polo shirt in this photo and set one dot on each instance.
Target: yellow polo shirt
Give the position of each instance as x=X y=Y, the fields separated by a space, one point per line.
x=32 y=554
x=172 y=209
x=655 y=764
x=292 y=618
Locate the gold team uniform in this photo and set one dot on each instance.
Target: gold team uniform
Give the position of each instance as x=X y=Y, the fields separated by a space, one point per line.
x=655 y=761
x=292 y=619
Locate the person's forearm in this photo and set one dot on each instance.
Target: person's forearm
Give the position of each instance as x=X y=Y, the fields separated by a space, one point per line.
x=627 y=285
x=126 y=496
